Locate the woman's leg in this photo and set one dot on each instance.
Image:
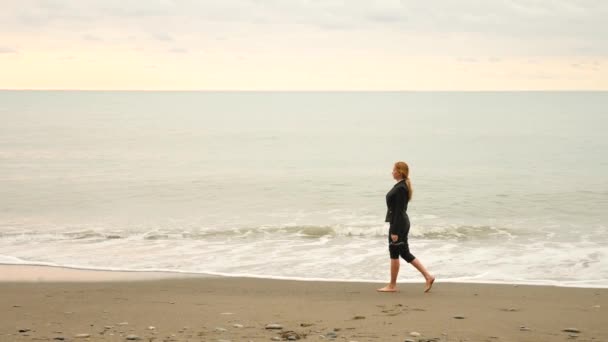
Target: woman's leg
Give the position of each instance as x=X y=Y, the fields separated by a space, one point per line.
x=427 y=276
x=392 y=287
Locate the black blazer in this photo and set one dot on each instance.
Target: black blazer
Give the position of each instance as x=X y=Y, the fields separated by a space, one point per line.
x=396 y=214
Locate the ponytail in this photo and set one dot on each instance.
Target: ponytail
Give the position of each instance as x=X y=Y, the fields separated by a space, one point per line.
x=410 y=190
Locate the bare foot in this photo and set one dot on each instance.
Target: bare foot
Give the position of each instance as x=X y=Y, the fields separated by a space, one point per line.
x=429 y=284
x=388 y=288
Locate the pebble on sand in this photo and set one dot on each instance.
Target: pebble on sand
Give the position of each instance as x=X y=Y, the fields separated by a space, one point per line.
x=274 y=326
x=572 y=330
x=331 y=334
x=458 y=317
x=415 y=334
x=290 y=335
x=133 y=337
x=238 y=326
x=82 y=335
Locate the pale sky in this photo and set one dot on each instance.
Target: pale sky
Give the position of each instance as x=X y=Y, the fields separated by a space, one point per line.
x=304 y=44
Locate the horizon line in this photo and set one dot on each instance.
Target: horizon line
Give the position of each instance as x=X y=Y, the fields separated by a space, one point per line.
x=309 y=90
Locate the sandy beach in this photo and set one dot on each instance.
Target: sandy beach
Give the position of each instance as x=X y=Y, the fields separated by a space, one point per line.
x=55 y=304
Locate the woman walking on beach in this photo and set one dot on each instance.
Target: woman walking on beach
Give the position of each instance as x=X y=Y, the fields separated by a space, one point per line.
x=396 y=200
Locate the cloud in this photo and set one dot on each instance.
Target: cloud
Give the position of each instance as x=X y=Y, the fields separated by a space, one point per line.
x=581 y=20
x=4 y=49
x=178 y=50
x=468 y=34
x=467 y=60
x=91 y=38
x=163 y=37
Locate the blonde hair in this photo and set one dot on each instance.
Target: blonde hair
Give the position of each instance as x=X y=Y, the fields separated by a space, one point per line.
x=404 y=170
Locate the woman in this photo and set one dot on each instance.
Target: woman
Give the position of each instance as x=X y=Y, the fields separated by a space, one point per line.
x=396 y=200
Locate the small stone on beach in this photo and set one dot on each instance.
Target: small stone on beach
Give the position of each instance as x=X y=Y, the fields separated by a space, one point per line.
x=219 y=329
x=331 y=334
x=82 y=335
x=24 y=330
x=359 y=317
x=133 y=337
x=274 y=326
x=151 y=328
x=572 y=330
x=275 y=339
x=458 y=317
x=237 y=325
x=415 y=334
x=290 y=335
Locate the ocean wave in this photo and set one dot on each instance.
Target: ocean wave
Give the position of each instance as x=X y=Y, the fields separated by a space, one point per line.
x=462 y=232
x=428 y=232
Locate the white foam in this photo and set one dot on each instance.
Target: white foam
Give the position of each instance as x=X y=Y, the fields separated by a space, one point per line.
x=300 y=252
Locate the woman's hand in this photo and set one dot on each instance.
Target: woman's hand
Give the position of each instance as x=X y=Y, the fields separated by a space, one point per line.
x=394 y=237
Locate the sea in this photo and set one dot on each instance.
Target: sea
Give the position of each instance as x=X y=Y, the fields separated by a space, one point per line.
x=509 y=187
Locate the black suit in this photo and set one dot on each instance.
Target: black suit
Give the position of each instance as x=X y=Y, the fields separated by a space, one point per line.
x=396 y=215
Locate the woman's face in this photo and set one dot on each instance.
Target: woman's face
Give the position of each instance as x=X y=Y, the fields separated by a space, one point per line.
x=396 y=174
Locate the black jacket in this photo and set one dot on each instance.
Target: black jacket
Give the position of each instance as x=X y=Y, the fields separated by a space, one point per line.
x=396 y=202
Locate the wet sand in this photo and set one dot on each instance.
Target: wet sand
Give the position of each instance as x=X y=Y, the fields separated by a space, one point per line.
x=55 y=304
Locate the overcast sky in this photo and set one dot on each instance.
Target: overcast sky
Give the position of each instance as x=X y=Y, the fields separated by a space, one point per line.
x=304 y=44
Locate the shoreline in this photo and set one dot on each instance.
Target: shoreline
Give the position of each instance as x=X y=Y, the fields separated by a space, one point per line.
x=57 y=273
x=240 y=309
x=16 y=273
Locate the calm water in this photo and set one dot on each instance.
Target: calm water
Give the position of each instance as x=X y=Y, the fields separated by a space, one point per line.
x=509 y=187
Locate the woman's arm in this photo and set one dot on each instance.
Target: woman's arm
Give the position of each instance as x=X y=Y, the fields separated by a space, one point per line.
x=397 y=204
